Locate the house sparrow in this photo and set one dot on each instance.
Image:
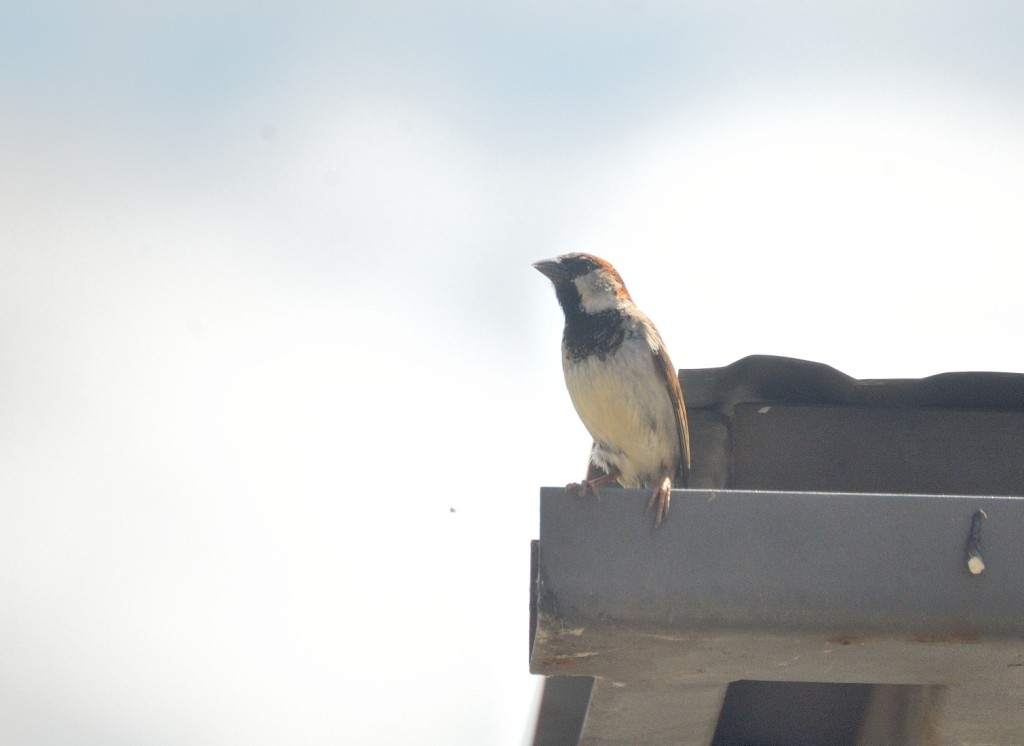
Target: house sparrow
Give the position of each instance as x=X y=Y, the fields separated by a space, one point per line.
x=621 y=381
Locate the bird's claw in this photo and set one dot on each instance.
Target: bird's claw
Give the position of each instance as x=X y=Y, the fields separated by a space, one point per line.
x=582 y=488
x=661 y=497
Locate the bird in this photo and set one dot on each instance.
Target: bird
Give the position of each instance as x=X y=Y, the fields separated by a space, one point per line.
x=621 y=382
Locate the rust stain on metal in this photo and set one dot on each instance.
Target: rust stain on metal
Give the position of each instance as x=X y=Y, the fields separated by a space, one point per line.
x=845 y=640
x=559 y=660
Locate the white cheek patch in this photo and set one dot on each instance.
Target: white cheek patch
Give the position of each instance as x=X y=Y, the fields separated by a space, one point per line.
x=598 y=292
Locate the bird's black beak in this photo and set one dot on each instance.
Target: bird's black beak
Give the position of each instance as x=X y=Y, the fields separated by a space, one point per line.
x=553 y=270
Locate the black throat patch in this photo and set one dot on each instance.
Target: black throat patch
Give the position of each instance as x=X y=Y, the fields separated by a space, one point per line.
x=588 y=334
x=597 y=334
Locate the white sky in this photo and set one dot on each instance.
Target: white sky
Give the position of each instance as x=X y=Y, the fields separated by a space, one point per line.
x=267 y=315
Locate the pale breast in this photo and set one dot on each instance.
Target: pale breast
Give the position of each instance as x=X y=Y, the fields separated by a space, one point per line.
x=624 y=404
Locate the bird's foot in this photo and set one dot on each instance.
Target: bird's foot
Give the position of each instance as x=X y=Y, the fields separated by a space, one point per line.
x=582 y=488
x=591 y=485
x=660 y=497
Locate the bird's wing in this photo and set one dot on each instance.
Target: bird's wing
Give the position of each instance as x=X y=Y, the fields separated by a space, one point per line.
x=675 y=393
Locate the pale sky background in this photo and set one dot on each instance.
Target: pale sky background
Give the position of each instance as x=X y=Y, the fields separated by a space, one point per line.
x=278 y=385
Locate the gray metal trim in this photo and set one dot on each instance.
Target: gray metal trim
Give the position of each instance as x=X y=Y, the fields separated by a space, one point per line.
x=782 y=587
x=784 y=561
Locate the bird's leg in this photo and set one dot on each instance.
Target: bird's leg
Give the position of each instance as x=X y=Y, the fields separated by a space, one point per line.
x=661 y=496
x=592 y=485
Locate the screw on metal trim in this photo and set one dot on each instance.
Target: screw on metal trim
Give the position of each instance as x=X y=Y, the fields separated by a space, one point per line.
x=975 y=563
